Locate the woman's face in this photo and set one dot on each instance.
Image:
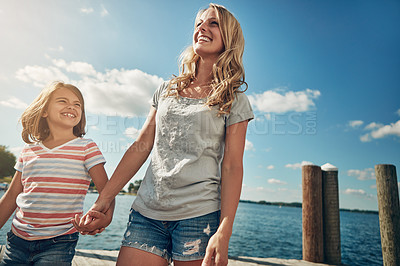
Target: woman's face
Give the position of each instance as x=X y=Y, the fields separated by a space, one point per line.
x=207 y=39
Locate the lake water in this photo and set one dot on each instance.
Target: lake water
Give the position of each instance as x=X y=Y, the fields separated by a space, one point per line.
x=259 y=231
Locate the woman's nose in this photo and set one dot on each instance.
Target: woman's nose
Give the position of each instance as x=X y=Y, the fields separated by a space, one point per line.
x=202 y=27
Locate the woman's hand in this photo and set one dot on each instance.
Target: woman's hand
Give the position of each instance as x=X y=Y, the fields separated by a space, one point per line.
x=92 y=223
x=96 y=219
x=217 y=250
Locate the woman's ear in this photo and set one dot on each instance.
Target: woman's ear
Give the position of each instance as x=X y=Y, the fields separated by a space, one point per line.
x=45 y=114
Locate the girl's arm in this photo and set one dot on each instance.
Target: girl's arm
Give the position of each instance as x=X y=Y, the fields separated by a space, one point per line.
x=231 y=185
x=130 y=163
x=101 y=221
x=8 y=201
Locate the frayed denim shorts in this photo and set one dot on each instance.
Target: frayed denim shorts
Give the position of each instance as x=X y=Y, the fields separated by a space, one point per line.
x=183 y=240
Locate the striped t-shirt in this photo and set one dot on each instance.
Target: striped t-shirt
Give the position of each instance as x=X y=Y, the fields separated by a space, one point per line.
x=55 y=182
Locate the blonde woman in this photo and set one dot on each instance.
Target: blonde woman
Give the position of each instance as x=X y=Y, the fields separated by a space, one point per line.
x=52 y=176
x=196 y=128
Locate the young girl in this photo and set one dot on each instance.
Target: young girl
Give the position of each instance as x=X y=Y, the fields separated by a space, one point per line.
x=51 y=181
x=187 y=201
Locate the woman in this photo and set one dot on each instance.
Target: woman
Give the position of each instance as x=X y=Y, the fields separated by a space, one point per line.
x=196 y=127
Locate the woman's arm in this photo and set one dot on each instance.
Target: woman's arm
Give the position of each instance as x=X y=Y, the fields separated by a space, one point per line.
x=130 y=163
x=231 y=185
x=8 y=201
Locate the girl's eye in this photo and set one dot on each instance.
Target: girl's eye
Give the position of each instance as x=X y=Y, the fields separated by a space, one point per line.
x=214 y=23
x=78 y=105
x=198 y=24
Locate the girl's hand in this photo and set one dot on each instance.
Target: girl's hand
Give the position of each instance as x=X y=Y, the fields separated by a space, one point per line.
x=217 y=250
x=92 y=223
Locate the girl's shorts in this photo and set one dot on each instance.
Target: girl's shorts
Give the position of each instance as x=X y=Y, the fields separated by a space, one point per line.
x=58 y=250
x=183 y=240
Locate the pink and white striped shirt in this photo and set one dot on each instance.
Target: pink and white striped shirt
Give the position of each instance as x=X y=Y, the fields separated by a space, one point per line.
x=55 y=182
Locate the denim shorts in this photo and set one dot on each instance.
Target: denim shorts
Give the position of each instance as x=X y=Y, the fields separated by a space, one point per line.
x=183 y=240
x=58 y=250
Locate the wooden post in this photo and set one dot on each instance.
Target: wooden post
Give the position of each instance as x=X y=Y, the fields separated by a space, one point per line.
x=331 y=214
x=313 y=249
x=389 y=213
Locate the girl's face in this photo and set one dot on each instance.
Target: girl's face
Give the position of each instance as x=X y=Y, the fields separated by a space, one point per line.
x=64 y=109
x=207 y=39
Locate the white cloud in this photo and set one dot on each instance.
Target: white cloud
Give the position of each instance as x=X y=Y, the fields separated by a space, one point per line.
x=392 y=129
x=357 y=192
x=276 y=181
x=355 y=123
x=86 y=10
x=132 y=132
x=15 y=103
x=40 y=76
x=398 y=112
x=113 y=92
x=57 y=49
x=104 y=11
x=274 y=101
x=365 y=138
x=298 y=165
x=249 y=146
x=372 y=126
x=379 y=131
x=366 y=174
x=80 y=68
x=270 y=167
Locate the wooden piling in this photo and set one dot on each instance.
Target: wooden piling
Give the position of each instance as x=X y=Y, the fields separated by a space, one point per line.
x=331 y=214
x=313 y=249
x=389 y=213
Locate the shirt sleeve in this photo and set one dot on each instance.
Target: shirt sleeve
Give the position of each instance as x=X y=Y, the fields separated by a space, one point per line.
x=93 y=155
x=158 y=93
x=240 y=111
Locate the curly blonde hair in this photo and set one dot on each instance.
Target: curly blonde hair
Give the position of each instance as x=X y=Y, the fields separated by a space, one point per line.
x=228 y=71
x=34 y=125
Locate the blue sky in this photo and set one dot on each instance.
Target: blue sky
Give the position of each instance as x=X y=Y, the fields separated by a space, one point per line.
x=323 y=80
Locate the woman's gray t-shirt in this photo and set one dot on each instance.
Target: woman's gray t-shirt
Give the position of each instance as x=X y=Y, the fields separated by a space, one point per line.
x=183 y=178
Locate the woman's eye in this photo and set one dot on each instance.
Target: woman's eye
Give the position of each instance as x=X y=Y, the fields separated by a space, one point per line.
x=214 y=23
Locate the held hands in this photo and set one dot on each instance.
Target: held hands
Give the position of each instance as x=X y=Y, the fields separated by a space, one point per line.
x=217 y=251
x=95 y=220
x=92 y=223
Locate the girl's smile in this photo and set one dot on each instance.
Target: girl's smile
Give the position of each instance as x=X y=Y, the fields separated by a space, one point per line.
x=64 y=109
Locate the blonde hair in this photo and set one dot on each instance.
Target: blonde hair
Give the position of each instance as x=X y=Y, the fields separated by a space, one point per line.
x=34 y=125
x=228 y=71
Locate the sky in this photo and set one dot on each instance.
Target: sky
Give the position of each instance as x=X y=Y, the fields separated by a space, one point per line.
x=323 y=80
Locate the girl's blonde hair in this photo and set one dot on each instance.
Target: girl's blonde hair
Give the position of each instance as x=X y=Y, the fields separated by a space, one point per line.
x=34 y=125
x=228 y=71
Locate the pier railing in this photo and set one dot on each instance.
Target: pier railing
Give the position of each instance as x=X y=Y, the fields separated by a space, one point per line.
x=389 y=213
x=321 y=218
